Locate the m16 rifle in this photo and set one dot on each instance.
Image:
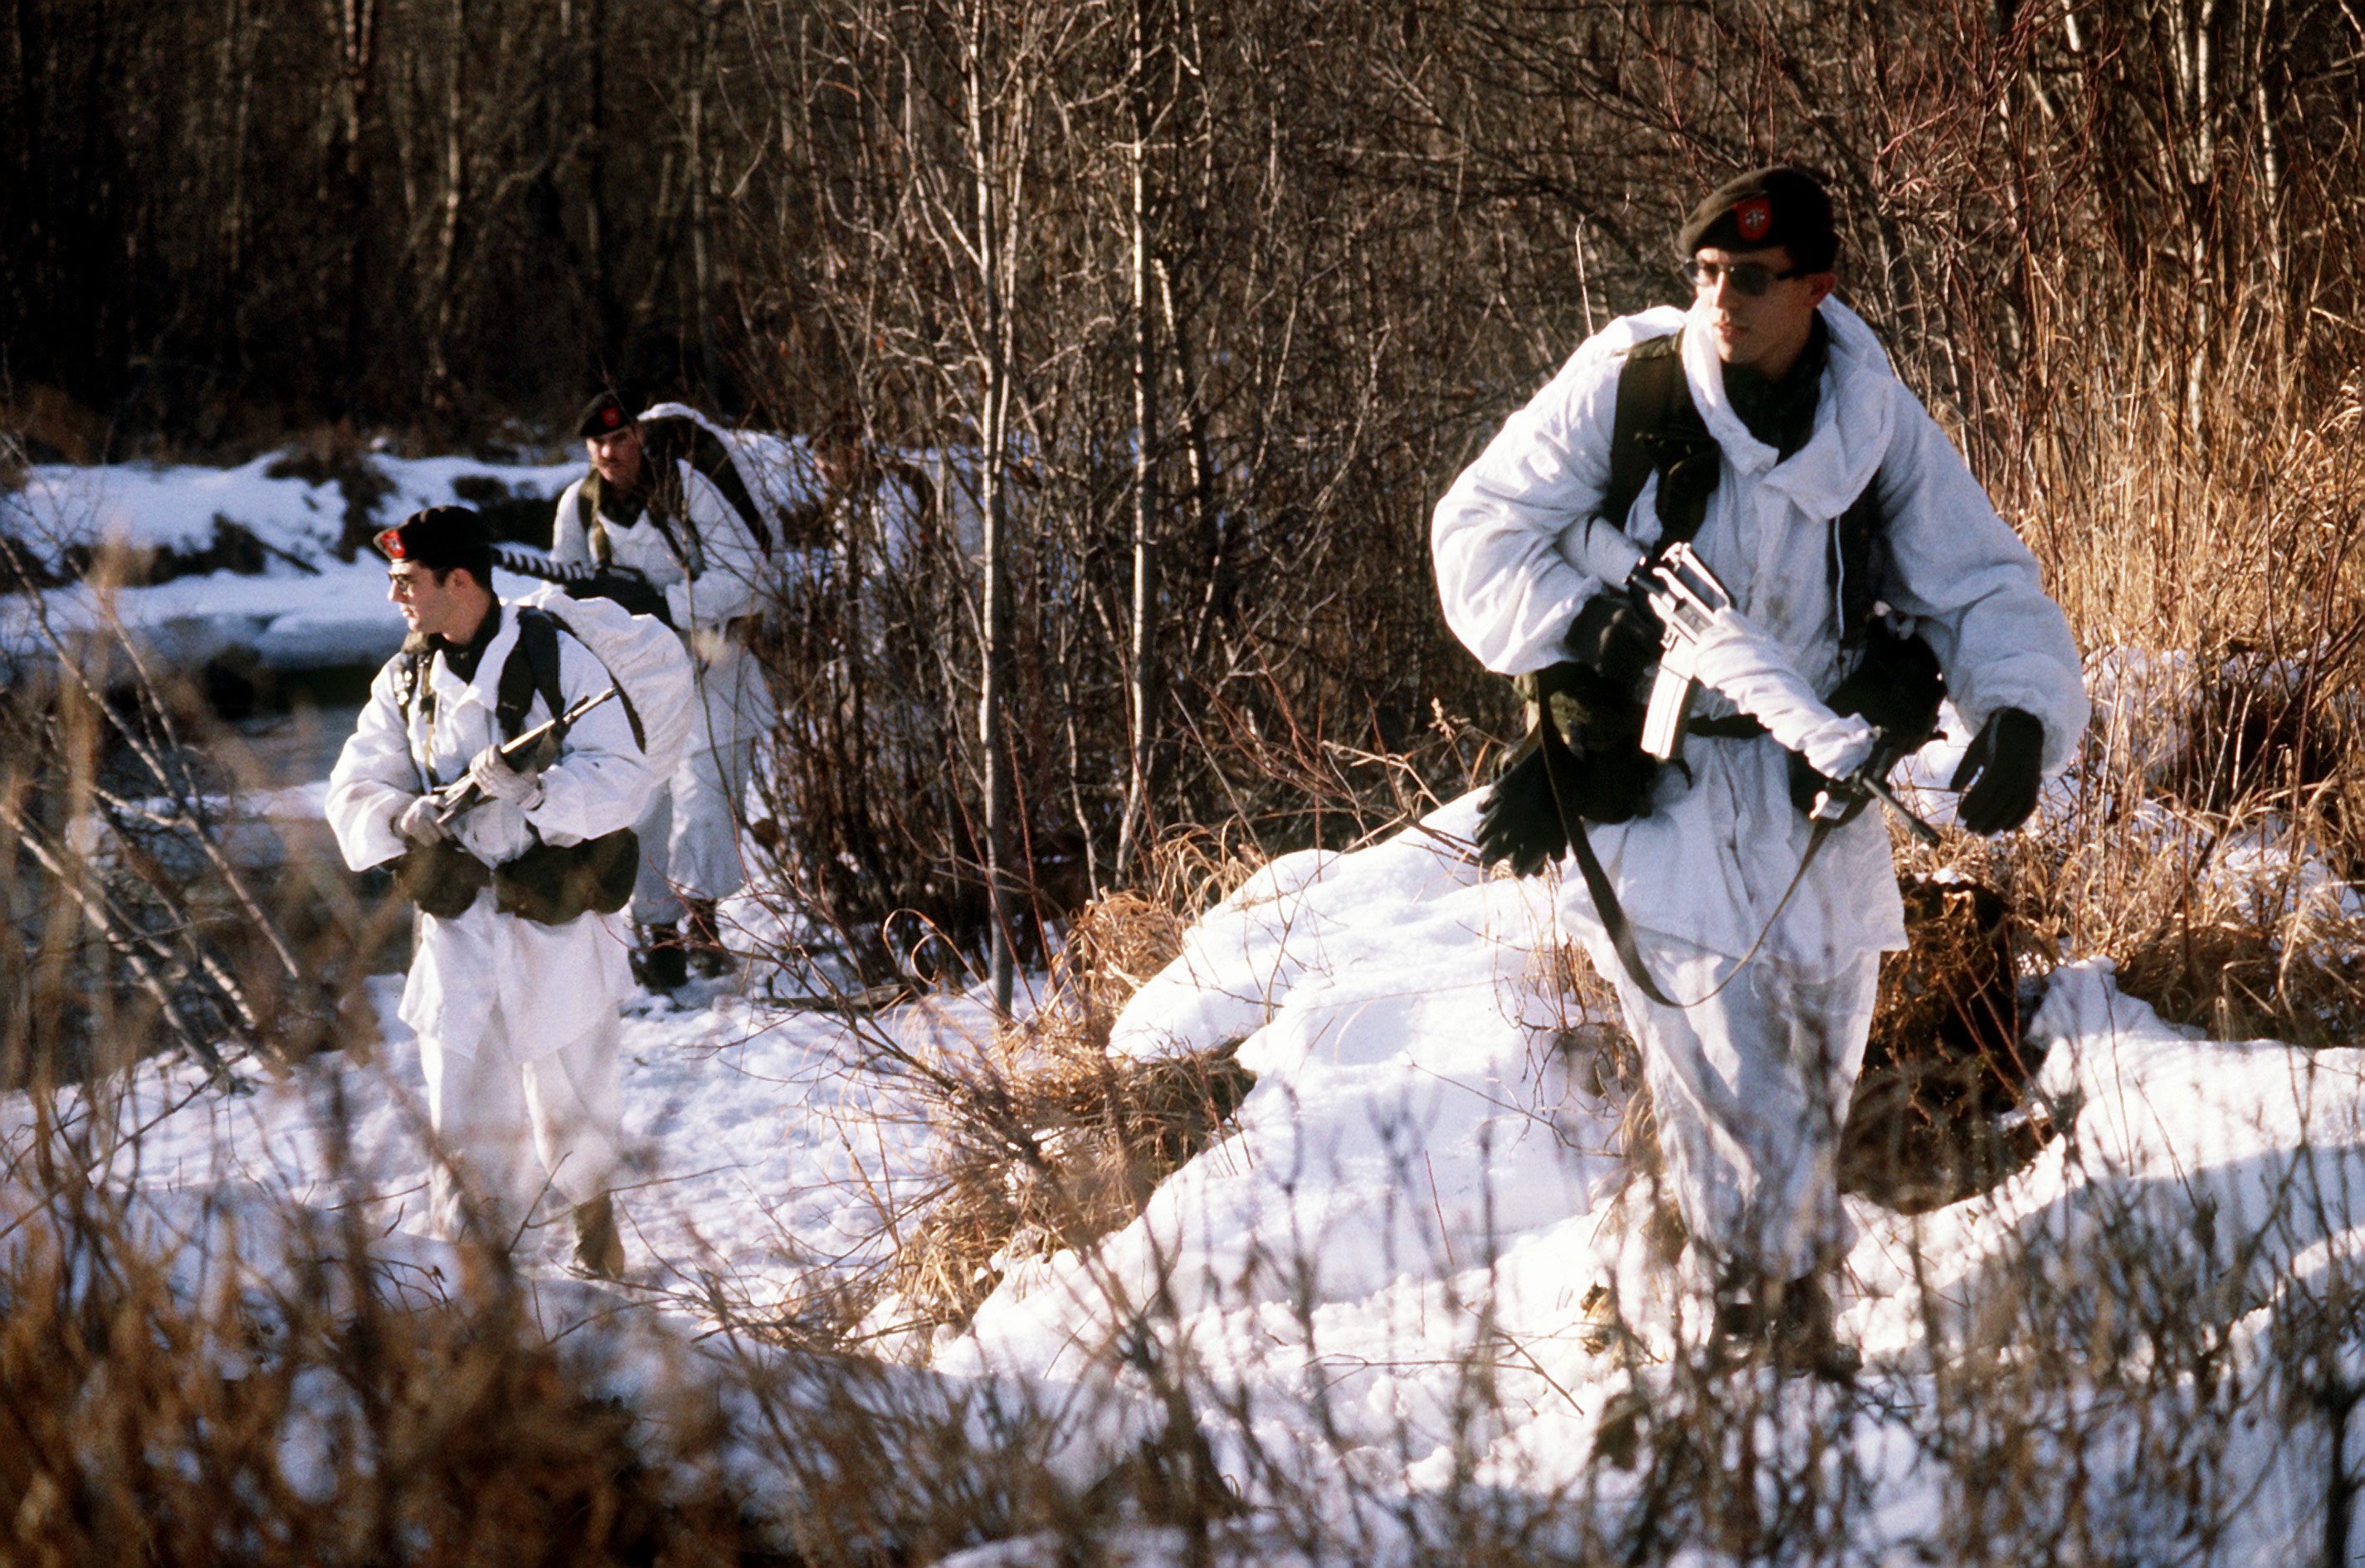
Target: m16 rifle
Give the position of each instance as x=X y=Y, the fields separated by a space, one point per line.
x=531 y=752
x=627 y=586
x=1688 y=596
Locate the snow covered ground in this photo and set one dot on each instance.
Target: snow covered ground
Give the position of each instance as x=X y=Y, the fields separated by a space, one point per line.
x=1417 y=1192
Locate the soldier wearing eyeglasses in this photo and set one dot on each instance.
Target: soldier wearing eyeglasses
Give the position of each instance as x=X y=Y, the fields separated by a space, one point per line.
x=1841 y=520
x=515 y=1012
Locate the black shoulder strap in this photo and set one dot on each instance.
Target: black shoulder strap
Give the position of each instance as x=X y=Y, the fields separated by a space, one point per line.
x=411 y=680
x=674 y=437
x=533 y=667
x=411 y=688
x=1859 y=564
x=1656 y=428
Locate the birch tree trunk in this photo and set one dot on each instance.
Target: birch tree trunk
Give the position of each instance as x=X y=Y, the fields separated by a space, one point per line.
x=989 y=243
x=357 y=26
x=1143 y=685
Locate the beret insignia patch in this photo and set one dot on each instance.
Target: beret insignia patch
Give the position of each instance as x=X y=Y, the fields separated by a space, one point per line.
x=389 y=542
x=612 y=416
x=1755 y=215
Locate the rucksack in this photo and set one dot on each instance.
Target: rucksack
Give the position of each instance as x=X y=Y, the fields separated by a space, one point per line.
x=652 y=669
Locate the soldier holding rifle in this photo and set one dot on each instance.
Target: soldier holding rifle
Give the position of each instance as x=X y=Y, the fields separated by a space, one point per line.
x=1837 y=562
x=517 y=974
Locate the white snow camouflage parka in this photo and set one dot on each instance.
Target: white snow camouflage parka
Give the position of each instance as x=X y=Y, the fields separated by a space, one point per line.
x=1710 y=864
x=550 y=983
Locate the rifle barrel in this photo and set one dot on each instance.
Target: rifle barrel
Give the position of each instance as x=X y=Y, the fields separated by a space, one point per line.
x=1913 y=824
x=628 y=585
x=467 y=796
x=527 y=564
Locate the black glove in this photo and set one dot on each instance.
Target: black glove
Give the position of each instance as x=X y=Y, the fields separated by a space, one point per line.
x=1603 y=773
x=1519 y=821
x=1999 y=773
x=1589 y=747
x=1615 y=636
x=630 y=590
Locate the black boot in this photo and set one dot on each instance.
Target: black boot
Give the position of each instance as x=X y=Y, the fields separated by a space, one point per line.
x=1804 y=1334
x=660 y=963
x=1791 y=1322
x=598 y=1247
x=702 y=936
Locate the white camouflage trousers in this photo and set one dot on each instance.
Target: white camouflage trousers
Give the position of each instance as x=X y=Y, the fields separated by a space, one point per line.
x=689 y=834
x=1749 y=1089
x=497 y=1118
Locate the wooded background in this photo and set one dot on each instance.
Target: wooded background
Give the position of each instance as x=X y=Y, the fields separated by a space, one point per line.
x=1224 y=294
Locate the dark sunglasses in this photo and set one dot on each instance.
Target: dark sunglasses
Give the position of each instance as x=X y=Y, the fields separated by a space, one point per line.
x=1751 y=278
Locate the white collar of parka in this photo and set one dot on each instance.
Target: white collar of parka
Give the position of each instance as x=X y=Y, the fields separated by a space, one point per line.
x=1854 y=417
x=449 y=690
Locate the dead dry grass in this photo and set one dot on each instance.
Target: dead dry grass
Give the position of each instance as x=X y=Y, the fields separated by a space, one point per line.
x=337 y=1416
x=1941 y=1110
x=1053 y=1143
x=2211 y=551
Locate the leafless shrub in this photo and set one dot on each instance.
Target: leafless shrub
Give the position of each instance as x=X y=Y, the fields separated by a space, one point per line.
x=148 y=907
x=1941 y=1110
x=344 y=1412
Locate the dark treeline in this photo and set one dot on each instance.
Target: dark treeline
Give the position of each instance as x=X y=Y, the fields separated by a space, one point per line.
x=227 y=218
x=443 y=213
x=1222 y=294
